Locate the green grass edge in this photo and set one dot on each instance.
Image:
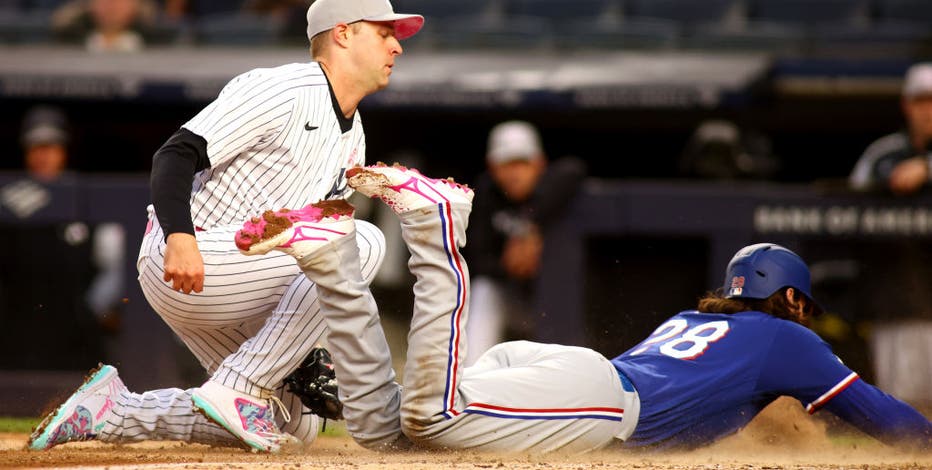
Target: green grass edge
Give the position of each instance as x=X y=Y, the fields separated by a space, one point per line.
x=17 y=424
x=9 y=424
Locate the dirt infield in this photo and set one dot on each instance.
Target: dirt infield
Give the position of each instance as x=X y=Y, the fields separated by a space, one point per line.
x=782 y=437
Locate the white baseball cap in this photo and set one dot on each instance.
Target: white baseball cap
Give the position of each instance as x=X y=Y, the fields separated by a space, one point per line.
x=513 y=140
x=44 y=125
x=918 y=80
x=325 y=14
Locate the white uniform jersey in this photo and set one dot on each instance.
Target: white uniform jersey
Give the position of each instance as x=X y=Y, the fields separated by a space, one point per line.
x=274 y=140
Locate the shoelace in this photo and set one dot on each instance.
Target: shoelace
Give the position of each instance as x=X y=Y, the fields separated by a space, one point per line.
x=275 y=402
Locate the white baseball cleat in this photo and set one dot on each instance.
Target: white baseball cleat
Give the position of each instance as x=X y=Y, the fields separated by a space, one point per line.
x=406 y=189
x=296 y=232
x=83 y=414
x=251 y=419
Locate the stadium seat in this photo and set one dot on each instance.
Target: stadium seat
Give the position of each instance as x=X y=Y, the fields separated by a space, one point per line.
x=479 y=24
x=919 y=11
x=237 y=29
x=166 y=31
x=18 y=27
x=43 y=5
x=559 y=9
x=907 y=17
x=442 y=10
x=631 y=34
x=689 y=16
x=884 y=40
x=809 y=12
x=755 y=37
x=685 y=12
x=205 y=8
x=518 y=33
x=790 y=27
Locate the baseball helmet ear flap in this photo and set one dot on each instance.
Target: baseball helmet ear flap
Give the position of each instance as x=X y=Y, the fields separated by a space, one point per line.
x=758 y=271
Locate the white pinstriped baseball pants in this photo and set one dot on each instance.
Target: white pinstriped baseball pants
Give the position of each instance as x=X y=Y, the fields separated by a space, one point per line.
x=257 y=318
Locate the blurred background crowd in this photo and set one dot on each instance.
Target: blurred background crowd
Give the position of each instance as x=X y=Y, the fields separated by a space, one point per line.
x=838 y=104
x=856 y=26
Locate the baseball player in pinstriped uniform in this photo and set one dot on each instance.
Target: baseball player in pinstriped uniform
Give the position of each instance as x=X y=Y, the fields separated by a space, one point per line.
x=702 y=374
x=278 y=137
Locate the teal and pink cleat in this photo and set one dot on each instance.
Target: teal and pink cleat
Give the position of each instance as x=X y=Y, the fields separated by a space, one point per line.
x=251 y=419
x=82 y=416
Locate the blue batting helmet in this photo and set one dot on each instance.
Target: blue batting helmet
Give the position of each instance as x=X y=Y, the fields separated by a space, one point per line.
x=757 y=271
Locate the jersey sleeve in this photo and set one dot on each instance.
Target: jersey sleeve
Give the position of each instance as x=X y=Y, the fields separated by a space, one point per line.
x=881 y=416
x=250 y=110
x=802 y=365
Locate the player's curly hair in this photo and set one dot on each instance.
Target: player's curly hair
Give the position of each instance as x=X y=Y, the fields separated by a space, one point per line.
x=776 y=305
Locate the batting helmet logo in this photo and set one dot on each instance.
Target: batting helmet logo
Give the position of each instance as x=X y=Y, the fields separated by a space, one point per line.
x=737 y=285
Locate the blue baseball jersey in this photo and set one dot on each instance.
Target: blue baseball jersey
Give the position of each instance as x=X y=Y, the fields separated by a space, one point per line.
x=702 y=376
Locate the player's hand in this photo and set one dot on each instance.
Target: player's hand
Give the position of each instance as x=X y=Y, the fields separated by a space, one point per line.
x=184 y=266
x=909 y=175
x=521 y=255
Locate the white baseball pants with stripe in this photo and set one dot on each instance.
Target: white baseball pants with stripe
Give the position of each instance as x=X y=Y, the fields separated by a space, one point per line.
x=519 y=396
x=257 y=318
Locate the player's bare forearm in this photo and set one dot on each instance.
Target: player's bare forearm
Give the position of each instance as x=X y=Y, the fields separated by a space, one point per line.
x=184 y=266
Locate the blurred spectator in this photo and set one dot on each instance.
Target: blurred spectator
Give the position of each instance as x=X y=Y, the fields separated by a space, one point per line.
x=63 y=278
x=105 y=25
x=517 y=200
x=718 y=149
x=44 y=137
x=900 y=161
x=900 y=293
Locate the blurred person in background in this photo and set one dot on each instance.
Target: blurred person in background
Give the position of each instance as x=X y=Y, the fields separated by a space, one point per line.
x=44 y=138
x=63 y=278
x=720 y=150
x=900 y=162
x=105 y=25
x=900 y=298
x=517 y=200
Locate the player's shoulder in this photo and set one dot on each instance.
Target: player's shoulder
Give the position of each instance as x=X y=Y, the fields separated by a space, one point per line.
x=307 y=74
x=757 y=321
x=789 y=333
x=897 y=142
